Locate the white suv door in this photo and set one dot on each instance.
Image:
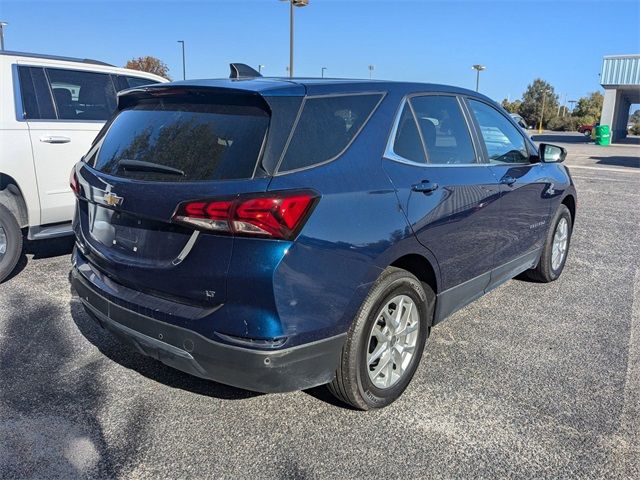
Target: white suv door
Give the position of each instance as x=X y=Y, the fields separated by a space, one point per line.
x=64 y=109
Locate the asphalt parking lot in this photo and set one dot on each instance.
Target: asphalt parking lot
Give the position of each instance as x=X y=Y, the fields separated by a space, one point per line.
x=532 y=380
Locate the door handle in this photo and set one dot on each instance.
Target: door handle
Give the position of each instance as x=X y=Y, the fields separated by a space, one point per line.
x=508 y=180
x=54 y=139
x=425 y=187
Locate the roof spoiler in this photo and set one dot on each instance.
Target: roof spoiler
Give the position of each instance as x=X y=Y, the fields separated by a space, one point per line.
x=241 y=70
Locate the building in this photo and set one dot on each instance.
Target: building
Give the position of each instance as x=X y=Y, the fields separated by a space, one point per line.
x=620 y=79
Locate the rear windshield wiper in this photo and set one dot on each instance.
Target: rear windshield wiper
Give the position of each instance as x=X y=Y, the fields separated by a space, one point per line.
x=140 y=166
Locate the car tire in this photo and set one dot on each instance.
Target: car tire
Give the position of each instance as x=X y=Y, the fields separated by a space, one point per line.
x=11 y=242
x=550 y=267
x=353 y=383
x=587 y=133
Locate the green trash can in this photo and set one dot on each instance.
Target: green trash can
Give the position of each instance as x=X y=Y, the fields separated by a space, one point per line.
x=603 y=135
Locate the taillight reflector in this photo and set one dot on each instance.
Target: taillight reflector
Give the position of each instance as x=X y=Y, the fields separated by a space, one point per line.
x=275 y=215
x=73 y=181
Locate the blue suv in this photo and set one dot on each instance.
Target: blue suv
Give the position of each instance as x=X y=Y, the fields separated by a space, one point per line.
x=278 y=234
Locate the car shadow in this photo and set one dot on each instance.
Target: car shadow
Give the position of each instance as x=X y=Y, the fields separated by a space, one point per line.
x=53 y=247
x=39 y=249
x=618 y=161
x=48 y=409
x=323 y=394
x=128 y=357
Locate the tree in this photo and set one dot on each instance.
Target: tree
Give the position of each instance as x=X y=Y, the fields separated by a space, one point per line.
x=590 y=106
x=634 y=118
x=511 y=107
x=531 y=106
x=149 y=64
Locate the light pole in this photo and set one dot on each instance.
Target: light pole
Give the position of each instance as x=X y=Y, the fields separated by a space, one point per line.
x=561 y=105
x=293 y=3
x=260 y=67
x=184 y=68
x=323 y=69
x=2 y=25
x=371 y=69
x=544 y=97
x=478 y=68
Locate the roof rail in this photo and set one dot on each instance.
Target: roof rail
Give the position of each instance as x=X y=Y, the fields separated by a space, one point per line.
x=241 y=70
x=55 y=57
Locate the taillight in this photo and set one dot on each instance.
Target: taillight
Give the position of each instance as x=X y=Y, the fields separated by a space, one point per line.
x=73 y=181
x=274 y=215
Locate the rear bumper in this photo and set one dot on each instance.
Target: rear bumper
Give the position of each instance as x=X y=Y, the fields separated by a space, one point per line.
x=283 y=370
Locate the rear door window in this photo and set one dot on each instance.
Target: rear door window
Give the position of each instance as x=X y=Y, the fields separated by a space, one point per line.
x=36 y=98
x=176 y=141
x=327 y=125
x=444 y=130
x=81 y=95
x=407 y=143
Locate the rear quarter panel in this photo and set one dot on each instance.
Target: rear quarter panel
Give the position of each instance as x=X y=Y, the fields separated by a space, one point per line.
x=356 y=230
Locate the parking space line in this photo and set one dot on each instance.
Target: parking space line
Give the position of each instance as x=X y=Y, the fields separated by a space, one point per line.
x=604 y=179
x=604 y=169
x=629 y=428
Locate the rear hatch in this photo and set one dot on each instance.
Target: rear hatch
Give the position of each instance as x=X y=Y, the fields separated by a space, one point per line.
x=161 y=150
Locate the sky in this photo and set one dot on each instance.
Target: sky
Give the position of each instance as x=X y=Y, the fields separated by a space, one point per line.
x=560 y=41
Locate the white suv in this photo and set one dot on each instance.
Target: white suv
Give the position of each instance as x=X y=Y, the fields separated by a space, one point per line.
x=51 y=109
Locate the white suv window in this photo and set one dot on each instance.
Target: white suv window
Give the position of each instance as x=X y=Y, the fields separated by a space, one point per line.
x=36 y=99
x=82 y=95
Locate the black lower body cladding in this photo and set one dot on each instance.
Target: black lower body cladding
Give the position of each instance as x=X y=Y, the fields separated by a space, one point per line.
x=268 y=371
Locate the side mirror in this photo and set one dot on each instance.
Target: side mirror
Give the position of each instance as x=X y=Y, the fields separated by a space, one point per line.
x=552 y=153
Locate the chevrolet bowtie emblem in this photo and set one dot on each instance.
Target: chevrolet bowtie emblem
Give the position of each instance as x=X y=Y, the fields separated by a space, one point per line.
x=112 y=199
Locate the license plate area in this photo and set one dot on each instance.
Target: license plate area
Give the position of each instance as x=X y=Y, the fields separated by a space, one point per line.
x=132 y=236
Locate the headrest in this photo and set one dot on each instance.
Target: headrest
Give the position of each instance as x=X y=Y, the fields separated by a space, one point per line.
x=93 y=95
x=428 y=132
x=62 y=96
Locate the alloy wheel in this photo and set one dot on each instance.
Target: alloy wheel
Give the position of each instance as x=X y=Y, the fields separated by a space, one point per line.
x=560 y=242
x=3 y=243
x=392 y=341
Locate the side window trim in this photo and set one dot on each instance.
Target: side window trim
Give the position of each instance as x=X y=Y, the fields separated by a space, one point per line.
x=474 y=129
x=382 y=96
x=389 y=152
x=470 y=123
x=17 y=93
x=509 y=119
x=420 y=134
x=114 y=83
x=55 y=104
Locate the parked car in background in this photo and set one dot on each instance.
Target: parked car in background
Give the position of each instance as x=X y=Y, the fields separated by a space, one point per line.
x=53 y=107
x=587 y=128
x=252 y=232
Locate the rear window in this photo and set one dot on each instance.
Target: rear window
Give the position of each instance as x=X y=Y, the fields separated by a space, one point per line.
x=326 y=127
x=161 y=140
